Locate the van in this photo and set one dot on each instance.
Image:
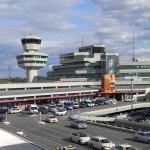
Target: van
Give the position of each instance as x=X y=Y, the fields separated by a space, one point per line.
x=33 y=109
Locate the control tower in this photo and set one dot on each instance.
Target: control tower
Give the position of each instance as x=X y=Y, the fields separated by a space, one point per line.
x=31 y=59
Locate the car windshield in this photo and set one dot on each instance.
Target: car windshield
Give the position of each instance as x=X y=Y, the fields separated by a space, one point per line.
x=61 y=110
x=82 y=135
x=130 y=148
x=52 y=117
x=60 y=105
x=52 y=106
x=33 y=108
x=79 y=122
x=104 y=141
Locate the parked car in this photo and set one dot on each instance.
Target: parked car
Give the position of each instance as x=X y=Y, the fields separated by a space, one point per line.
x=137 y=119
x=2 y=118
x=60 y=105
x=142 y=136
x=33 y=109
x=124 y=147
x=3 y=110
x=51 y=118
x=52 y=108
x=78 y=124
x=80 y=138
x=101 y=143
x=69 y=147
x=14 y=110
x=75 y=105
x=137 y=114
x=113 y=101
x=100 y=102
x=89 y=103
x=82 y=104
x=43 y=110
x=60 y=112
x=68 y=105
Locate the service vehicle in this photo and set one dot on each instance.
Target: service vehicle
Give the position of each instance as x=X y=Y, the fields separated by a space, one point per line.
x=80 y=138
x=51 y=118
x=101 y=143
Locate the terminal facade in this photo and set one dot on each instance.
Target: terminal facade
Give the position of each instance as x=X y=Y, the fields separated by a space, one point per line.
x=88 y=64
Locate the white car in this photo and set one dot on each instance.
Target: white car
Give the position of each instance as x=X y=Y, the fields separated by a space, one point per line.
x=124 y=147
x=60 y=106
x=60 y=112
x=101 y=143
x=80 y=137
x=89 y=103
x=69 y=147
x=75 y=105
x=14 y=110
x=51 y=118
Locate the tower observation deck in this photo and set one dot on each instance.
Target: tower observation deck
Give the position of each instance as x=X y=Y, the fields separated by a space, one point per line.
x=31 y=59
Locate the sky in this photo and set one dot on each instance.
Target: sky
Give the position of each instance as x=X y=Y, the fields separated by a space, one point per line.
x=63 y=23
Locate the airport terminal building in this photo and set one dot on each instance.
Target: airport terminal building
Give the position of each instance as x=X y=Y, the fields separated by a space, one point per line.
x=140 y=69
x=88 y=64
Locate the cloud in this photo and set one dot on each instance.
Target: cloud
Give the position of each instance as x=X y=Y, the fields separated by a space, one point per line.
x=62 y=25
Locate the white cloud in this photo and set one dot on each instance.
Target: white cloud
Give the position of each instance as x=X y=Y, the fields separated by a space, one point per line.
x=62 y=25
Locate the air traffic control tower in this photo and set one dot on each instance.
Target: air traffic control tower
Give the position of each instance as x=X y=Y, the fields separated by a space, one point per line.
x=31 y=59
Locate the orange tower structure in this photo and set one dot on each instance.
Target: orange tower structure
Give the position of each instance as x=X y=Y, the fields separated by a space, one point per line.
x=108 y=83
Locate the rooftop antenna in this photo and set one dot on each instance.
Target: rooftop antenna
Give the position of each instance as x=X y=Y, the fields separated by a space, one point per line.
x=9 y=69
x=82 y=41
x=133 y=59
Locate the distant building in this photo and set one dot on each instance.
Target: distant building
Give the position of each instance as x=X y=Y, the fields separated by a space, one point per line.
x=88 y=64
x=139 y=68
x=31 y=60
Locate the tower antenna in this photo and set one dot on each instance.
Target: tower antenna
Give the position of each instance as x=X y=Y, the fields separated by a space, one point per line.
x=133 y=59
x=82 y=41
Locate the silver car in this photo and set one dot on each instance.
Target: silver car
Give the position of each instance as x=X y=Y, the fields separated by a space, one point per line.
x=78 y=124
x=142 y=136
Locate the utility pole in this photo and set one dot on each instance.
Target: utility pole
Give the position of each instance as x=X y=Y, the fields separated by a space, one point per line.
x=133 y=59
x=9 y=69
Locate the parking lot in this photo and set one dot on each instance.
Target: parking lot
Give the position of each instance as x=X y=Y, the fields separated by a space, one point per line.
x=53 y=135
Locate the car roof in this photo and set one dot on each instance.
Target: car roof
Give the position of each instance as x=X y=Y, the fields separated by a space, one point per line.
x=51 y=116
x=144 y=132
x=124 y=145
x=99 y=137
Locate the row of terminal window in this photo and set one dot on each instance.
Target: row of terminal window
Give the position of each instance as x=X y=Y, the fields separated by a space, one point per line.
x=29 y=41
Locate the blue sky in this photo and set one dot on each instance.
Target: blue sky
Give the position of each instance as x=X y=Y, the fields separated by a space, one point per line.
x=62 y=23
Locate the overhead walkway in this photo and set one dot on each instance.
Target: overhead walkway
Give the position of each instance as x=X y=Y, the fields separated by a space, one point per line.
x=95 y=115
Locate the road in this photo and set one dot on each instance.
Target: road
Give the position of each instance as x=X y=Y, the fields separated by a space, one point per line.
x=53 y=135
